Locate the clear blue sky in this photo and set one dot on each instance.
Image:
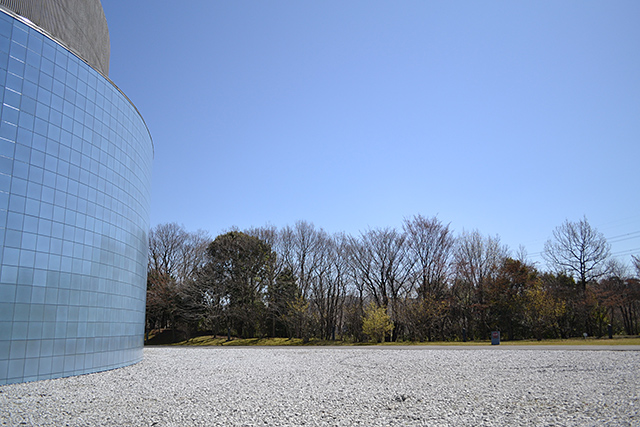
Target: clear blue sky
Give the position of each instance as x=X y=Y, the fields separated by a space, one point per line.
x=505 y=117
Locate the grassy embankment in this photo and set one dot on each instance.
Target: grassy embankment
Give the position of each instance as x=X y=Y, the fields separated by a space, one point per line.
x=222 y=341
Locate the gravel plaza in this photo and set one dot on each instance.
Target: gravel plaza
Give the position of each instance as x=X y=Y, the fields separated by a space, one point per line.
x=322 y=386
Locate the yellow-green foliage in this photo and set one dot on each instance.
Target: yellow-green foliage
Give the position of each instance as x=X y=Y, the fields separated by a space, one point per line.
x=543 y=310
x=376 y=323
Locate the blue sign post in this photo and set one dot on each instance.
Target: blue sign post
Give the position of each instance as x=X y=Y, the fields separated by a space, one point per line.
x=495 y=338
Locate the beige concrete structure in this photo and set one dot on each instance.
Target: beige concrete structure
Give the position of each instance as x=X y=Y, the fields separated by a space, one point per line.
x=80 y=25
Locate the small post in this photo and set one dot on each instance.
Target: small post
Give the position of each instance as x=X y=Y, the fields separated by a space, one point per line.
x=495 y=338
x=610 y=329
x=464 y=334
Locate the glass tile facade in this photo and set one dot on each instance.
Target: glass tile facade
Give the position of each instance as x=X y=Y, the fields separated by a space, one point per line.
x=75 y=166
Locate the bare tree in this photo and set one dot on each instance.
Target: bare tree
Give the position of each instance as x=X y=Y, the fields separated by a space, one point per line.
x=619 y=292
x=616 y=268
x=636 y=264
x=165 y=241
x=477 y=261
x=299 y=247
x=578 y=250
x=175 y=256
x=328 y=285
x=522 y=255
x=382 y=263
x=175 y=252
x=430 y=245
x=360 y=267
x=193 y=255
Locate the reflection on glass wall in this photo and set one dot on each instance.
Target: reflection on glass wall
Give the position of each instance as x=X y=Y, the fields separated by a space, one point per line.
x=75 y=163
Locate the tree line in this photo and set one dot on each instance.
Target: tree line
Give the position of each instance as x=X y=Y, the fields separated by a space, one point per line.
x=420 y=283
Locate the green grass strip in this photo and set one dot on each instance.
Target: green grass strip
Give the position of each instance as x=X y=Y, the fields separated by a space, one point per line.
x=219 y=341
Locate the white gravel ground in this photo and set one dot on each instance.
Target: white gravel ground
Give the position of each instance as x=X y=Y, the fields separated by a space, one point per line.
x=341 y=387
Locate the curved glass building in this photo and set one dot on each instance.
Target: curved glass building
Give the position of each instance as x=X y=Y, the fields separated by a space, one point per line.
x=75 y=165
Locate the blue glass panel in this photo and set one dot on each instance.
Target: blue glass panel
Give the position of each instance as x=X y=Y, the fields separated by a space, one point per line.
x=33 y=59
x=59 y=73
x=58 y=88
x=4 y=204
x=47 y=68
x=12 y=98
x=54 y=131
x=15 y=66
x=46 y=83
x=42 y=111
x=50 y=165
x=18 y=51
x=26 y=121
x=37 y=157
x=5 y=184
x=49 y=50
x=20 y=33
x=30 y=89
x=36 y=177
x=5 y=27
x=41 y=126
x=13 y=239
x=62 y=56
x=32 y=207
x=14 y=220
x=28 y=241
x=4 y=56
x=18 y=185
x=57 y=102
x=7 y=148
x=17 y=203
x=6 y=167
x=28 y=105
x=31 y=73
x=35 y=41
x=10 y=115
x=7 y=131
x=14 y=82
x=10 y=257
